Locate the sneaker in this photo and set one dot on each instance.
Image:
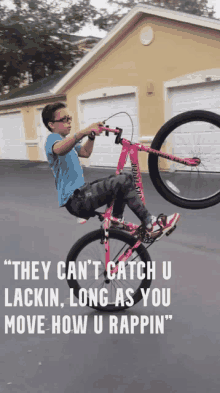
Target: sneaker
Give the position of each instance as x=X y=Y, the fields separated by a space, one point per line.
x=161 y=225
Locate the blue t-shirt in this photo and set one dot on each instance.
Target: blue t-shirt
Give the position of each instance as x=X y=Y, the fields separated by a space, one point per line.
x=66 y=169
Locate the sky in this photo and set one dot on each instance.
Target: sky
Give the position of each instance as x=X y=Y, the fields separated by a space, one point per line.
x=216 y=4
x=91 y=30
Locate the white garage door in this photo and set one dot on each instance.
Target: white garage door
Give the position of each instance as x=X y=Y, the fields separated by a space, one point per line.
x=12 y=139
x=106 y=152
x=207 y=97
x=42 y=133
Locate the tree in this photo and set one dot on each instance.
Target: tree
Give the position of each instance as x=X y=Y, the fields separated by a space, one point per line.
x=121 y=7
x=35 y=38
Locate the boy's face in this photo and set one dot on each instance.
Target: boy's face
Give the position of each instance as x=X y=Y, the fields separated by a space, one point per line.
x=62 y=122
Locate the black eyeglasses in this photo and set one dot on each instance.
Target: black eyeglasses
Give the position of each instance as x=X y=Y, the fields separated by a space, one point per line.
x=64 y=119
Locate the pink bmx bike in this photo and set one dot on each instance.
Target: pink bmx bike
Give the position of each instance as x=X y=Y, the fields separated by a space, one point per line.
x=184 y=166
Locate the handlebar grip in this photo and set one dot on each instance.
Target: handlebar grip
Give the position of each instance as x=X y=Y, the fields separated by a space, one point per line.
x=118 y=137
x=107 y=132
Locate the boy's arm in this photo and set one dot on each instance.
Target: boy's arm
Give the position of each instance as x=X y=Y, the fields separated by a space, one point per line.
x=65 y=146
x=86 y=149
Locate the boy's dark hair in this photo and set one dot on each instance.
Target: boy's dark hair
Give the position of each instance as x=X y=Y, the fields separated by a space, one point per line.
x=48 y=113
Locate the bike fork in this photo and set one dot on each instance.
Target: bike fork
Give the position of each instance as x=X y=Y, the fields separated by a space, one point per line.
x=121 y=258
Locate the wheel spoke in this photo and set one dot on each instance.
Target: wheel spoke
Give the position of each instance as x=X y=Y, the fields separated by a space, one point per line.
x=198 y=136
x=93 y=250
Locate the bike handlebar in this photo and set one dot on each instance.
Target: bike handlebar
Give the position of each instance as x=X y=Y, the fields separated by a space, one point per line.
x=107 y=129
x=117 y=131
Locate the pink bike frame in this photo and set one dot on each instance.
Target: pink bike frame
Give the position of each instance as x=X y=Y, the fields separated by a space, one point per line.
x=132 y=150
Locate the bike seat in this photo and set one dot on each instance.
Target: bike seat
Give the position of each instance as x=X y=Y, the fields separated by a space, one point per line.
x=81 y=220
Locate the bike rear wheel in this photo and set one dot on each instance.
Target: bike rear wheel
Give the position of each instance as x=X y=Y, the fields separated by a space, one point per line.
x=193 y=134
x=90 y=247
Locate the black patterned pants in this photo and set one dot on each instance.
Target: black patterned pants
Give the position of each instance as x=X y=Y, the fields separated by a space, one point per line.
x=91 y=196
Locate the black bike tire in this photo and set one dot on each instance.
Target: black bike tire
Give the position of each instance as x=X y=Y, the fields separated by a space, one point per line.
x=166 y=129
x=115 y=234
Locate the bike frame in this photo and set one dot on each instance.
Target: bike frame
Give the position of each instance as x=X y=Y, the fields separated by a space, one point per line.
x=131 y=150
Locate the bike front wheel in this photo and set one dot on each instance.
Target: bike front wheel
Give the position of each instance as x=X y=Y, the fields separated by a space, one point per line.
x=193 y=134
x=91 y=248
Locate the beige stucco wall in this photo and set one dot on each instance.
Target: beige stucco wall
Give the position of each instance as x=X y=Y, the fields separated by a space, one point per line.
x=177 y=49
x=28 y=114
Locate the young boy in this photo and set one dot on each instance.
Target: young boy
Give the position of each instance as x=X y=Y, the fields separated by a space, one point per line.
x=80 y=198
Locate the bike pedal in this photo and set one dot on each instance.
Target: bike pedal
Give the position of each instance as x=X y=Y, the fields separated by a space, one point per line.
x=171 y=230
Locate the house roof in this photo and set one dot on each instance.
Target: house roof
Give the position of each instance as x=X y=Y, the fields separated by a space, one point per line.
x=79 y=38
x=37 y=88
x=61 y=85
